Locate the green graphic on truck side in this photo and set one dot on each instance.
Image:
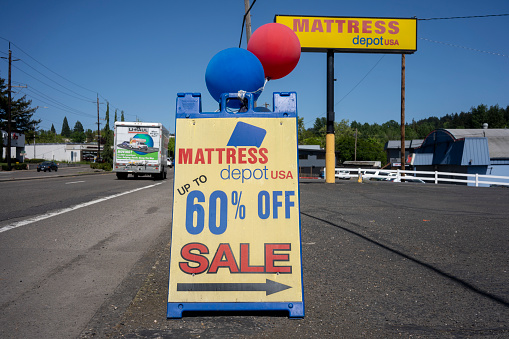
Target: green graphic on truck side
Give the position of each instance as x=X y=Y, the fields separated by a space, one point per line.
x=123 y=154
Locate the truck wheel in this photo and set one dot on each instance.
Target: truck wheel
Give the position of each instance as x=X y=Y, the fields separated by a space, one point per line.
x=121 y=176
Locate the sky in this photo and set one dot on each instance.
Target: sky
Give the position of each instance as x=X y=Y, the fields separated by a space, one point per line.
x=137 y=55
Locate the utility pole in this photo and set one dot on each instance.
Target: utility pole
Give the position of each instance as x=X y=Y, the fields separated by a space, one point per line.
x=9 y=130
x=355 y=154
x=98 y=131
x=9 y=116
x=248 y=25
x=403 y=112
x=248 y=20
x=34 y=141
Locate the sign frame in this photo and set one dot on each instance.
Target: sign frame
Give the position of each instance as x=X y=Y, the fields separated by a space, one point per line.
x=329 y=44
x=191 y=288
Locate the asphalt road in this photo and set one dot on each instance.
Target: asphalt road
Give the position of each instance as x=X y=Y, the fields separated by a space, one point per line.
x=380 y=260
x=67 y=243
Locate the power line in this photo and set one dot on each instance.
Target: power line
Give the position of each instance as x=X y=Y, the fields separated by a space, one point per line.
x=365 y=76
x=86 y=99
x=36 y=94
x=56 y=89
x=465 y=17
x=468 y=48
x=354 y=87
x=75 y=84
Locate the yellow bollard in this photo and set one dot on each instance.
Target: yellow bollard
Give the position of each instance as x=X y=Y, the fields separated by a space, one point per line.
x=330 y=159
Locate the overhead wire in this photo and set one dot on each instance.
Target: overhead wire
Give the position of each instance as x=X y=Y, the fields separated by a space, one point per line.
x=83 y=98
x=468 y=48
x=51 y=102
x=52 y=87
x=464 y=17
x=355 y=86
x=75 y=84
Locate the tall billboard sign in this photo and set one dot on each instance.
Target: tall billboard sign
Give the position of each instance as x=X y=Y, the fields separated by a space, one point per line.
x=235 y=241
x=353 y=34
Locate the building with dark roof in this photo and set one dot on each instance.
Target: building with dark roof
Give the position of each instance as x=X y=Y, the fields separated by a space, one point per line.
x=311 y=160
x=393 y=150
x=470 y=151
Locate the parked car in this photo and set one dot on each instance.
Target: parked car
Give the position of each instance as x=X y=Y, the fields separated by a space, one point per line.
x=169 y=162
x=407 y=179
x=342 y=174
x=47 y=166
x=370 y=174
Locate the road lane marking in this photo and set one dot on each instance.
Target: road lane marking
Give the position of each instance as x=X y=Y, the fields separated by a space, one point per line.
x=69 y=209
x=73 y=182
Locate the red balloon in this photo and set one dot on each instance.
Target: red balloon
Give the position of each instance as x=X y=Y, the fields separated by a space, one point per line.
x=277 y=47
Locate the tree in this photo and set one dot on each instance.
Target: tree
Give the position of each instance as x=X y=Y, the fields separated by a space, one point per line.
x=107 y=153
x=320 y=125
x=66 y=131
x=90 y=135
x=21 y=112
x=115 y=116
x=479 y=116
x=107 y=126
x=53 y=129
x=122 y=116
x=43 y=136
x=1 y=147
x=171 y=147
x=78 y=134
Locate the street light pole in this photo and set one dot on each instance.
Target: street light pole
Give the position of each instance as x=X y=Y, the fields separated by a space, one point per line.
x=9 y=112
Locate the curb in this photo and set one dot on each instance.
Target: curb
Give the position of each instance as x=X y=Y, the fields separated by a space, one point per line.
x=55 y=176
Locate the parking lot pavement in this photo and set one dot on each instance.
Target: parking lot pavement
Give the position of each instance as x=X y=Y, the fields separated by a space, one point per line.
x=380 y=259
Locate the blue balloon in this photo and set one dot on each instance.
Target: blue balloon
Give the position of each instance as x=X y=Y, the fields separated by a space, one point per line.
x=233 y=70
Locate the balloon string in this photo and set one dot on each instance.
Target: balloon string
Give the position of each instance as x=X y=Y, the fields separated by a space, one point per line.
x=241 y=93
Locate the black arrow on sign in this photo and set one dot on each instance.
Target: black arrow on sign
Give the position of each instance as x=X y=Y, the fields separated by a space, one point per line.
x=268 y=286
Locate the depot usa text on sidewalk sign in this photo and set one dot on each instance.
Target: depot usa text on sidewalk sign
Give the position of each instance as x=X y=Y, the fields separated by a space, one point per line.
x=236 y=217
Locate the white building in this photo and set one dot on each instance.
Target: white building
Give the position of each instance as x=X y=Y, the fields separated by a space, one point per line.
x=61 y=152
x=17 y=145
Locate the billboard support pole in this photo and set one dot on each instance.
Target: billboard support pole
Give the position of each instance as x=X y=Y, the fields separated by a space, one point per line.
x=403 y=112
x=330 y=161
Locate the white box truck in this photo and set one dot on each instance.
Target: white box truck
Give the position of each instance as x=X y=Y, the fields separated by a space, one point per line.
x=140 y=148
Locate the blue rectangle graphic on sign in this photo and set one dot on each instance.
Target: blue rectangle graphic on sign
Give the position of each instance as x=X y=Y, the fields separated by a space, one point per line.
x=246 y=135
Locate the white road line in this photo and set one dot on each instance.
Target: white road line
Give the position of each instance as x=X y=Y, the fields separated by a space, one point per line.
x=73 y=182
x=69 y=209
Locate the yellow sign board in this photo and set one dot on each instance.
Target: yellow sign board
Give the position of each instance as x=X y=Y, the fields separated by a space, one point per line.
x=357 y=35
x=236 y=221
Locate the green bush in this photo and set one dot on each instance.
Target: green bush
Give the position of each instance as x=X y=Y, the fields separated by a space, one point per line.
x=34 y=161
x=104 y=166
x=20 y=166
x=14 y=167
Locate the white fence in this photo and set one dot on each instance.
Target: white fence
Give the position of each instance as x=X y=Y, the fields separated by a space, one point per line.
x=426 y=176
